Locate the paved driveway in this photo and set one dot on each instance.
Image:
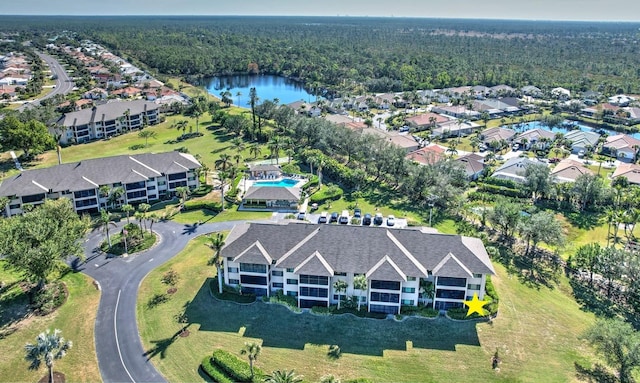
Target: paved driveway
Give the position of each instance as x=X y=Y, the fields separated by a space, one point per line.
x=121 y=357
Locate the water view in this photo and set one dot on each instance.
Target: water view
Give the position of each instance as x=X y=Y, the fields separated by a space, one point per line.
x=565 y=128
x=268 y=87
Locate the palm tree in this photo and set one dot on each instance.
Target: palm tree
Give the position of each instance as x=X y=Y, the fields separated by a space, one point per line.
x=106 y=220
x=183 y=193
x=340 y=287
x=223 y=176
x=224 y=162
x=252 y=351
x=143 y=208
x=237 y=144
x=182 y=125
x=255 y=150
x=216 y=242
x=427 y=290
x=274 y=144
x=127 y=209
x=146 y=134
x=360 y=283
x=238 y=94
x=281 y=376
x=153 y=218
x=451 y=149
x=49 y=346
x=115 y=195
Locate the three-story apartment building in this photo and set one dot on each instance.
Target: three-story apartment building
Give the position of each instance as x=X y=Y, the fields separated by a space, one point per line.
x=142 y=177
x=305 y=260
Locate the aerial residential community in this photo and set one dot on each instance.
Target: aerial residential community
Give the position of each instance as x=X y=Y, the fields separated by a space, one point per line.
x=316 y=198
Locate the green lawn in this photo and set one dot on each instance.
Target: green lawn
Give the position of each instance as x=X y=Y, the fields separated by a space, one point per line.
x=76 y=319
x=537 y=333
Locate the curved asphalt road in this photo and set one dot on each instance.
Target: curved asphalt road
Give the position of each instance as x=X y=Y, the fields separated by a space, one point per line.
x=119 y=349
x=64 y=84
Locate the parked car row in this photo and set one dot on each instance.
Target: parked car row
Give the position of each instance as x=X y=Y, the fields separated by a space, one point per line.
x=366 y=220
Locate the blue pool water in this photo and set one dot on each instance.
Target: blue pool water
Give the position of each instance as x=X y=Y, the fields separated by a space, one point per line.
x=283 y=183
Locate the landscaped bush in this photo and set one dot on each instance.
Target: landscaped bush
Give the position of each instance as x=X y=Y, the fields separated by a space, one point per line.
x=136 y=147
x=423 y=311
x=202 y=190
x=509 y=192
x=286 y=300
x=490 y=291
x=363 y=313
x=327 y=192
x=230 y=293
x=238 y=370
x=49 y=298
x=460 y=313
x=500 y=182
x=157 y=299
x=202 y=205
x=213 y=371
x=313 y=181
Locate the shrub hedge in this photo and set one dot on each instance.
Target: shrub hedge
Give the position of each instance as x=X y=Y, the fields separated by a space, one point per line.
x=506 y=191
x=199 y=205
x=213 y=371
x=235 y=368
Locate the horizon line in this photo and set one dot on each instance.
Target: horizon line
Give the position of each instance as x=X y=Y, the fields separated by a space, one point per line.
x=324 y=16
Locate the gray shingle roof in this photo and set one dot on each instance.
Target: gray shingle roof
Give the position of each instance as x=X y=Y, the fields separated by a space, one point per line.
x=87 y=174
x=271 y=193
x=357 y=249
x=106 y=112
x=264 y=168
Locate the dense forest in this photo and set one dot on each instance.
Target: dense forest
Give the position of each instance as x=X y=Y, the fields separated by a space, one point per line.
x=381 y=54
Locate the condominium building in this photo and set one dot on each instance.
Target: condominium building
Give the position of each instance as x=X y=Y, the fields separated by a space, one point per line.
x=305 y=260
x=89 y=183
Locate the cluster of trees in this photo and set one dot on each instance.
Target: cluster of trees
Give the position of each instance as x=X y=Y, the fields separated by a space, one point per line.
x=32 y=137
x=380 y=54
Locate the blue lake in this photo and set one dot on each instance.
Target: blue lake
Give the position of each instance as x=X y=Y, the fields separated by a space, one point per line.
x=268 y=87
x=565 y=128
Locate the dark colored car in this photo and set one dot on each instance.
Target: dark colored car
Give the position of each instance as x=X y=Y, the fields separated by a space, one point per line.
x=334 y=217
x=357 y=213
x=378 y=219
x=366 y=221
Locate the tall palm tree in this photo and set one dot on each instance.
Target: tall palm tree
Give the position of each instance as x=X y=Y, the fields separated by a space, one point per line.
x=127 y=209
x=238 y=94
x=280 y=376
x=274 y=144
x=340 y=287
x=143 y=208
x=255 y=150
x=106 y=220
x=215 y=243
x=146 y=134
x=115 y=195
x=48 y=347
x=237 y=144
x=183 y=193
x=252 y=351
x=360 y=283
x=224 y=162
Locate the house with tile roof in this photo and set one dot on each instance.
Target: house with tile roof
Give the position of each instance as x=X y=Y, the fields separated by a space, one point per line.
x=144 y=177
x=428 y=155
x=496 y=134
x=630 y=171
x=425 y=121
x=106 y=120
x=581 y=140
x=535 y=138
x=569 y=170
x=514 y=169
x=473 y=165
x=304 y=260
x=621 y=146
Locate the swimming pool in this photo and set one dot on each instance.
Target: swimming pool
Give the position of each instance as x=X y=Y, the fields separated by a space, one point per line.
x=283 y=183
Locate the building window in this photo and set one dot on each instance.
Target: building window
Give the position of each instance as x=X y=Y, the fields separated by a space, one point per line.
x=314 y=292
x=289 y=270
x=152 y=187
x=233 y=269
x=253 y=280
x=454 y=282
x=292 y=281
x=135 y=185
x=162 y=183
x=292 y=293
x=278 y=285
x=86 y=202
x=385 y=297
x=137 y=194
x=84 y=193
x=411 y=279
x=383 y=309
x=253 y=268
x=407 y=302
x=477 y=275
x=450 y=294
x=385 y=285
x=230 y=259
x=234 y=282
x=410 y=290
x=33 y=198
x=338 y=274
x=314 y=280
x=14 y=206
x=177 y=176
x=277 y=273
x=471 y=286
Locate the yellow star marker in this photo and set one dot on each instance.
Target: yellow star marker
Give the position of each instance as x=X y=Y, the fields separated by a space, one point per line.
x=475 y=305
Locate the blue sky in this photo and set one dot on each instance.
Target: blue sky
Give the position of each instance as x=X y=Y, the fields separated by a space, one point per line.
x=621 y=10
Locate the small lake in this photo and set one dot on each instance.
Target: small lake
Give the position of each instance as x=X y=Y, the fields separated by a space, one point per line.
x=268 y=87
x=565 y=128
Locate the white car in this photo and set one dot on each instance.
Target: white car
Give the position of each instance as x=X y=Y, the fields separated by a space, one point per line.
x=391 y=220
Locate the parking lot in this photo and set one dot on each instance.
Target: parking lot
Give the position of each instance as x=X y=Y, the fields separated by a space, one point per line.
x=315 y=216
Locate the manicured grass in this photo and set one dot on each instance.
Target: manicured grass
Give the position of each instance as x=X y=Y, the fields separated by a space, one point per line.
x=76 y=319
x=537 y=334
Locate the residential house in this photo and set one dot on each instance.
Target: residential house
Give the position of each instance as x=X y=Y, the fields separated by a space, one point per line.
x=305 y=260
x=561 y=93
x=514 y=169
x=621 y=100
x=454 y=128
x=144 y=178
x=630 y=171
x=402 y=141
x=591 y=97
x=622 y=147
x=314 y=111
x=496 y=134
x=128 y=92
x=106 y=120
x=535 y=138
x=480 y=91
x=473 y=165
x=581 y=140
x=95 y=94
x=532 y=91
x=264 y=171
x=426 y=121
x=272 y=198
x=428 y=155
x=457 y=111
x=569 y=170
